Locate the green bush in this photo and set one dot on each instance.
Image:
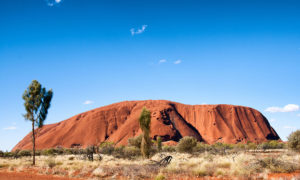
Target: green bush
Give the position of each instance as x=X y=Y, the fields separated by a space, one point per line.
x=107 y=148
x=8 y=154
x=186 y=144
x=159 y=145
x=201 y=147
x=131 y=152
x=251 y=145
x=24 y=153
x=167 y=148
x=72 y=151
x=273 y=164
x=119 y=152
x=48 y=152
x=1 y=153
x=160 y=177
x=273 y=144
x=51 y=163
x=294 y=141
x=135 y=141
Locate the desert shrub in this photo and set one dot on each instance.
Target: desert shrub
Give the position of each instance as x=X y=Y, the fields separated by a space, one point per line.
x=131 y=152
x=8 y=154
x=220 y=148
x=239 y=147
x=24 y=153
x=294 y=141
x=71 y=158
x=273 y=164
x=160 y=177
x=73 y=151
x=167 y=148
x=119 y=152
x=50 y=162
x=1 y=153
x=273 y=144
x=200 y=147
x=59 y=150
x=106 y=148
x=68 y=151
x=37 y=152
x=186 y=144
x=251 y=145
x=135 y=141
x=48 y=152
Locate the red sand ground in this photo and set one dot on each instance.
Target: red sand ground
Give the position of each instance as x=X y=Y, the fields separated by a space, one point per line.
x=170 y=120
x=29 y=176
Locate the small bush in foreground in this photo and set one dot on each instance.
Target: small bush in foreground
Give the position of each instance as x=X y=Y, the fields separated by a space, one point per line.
x=294 y=141
x=274 y=165
x=135 y=141
x=186 y=144
x=160 y=177
x=50 y=162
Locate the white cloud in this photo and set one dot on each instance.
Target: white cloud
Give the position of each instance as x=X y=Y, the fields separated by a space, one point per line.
x=87 y=102
x=53 y=2
x=289 y=127
x=177 y=62
x=162 y=61
x=287 y=108
x=10 y=128
x=138 y=31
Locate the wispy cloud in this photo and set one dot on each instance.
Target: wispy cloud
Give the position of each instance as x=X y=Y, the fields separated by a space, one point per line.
x=272 y=120
x=139 y=30
x=53 y=2
x=87 y=102
x=298 y=115
x=10 y=128
x=289 y=127
x=177 y=62
x=162 y=61
x=287 y=108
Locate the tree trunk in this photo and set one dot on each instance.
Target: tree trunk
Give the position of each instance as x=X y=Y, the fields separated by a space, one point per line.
x=33 y=144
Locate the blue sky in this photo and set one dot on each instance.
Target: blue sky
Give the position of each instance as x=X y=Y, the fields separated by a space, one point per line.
x=94 y=53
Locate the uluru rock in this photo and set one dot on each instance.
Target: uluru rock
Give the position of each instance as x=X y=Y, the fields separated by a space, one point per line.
x=170 y=120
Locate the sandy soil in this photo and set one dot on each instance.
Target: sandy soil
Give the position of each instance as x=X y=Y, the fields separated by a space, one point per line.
x=29 y=176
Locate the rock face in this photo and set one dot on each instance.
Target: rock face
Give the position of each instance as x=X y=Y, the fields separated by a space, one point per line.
x=170 y=120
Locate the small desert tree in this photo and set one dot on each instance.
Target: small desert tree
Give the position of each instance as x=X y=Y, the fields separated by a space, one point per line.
x=159 y=146
x=145 y=121
x=294 y=141
x=37 y=102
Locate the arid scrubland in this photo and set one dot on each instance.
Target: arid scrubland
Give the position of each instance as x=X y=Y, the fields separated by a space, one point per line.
x=238 y=165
